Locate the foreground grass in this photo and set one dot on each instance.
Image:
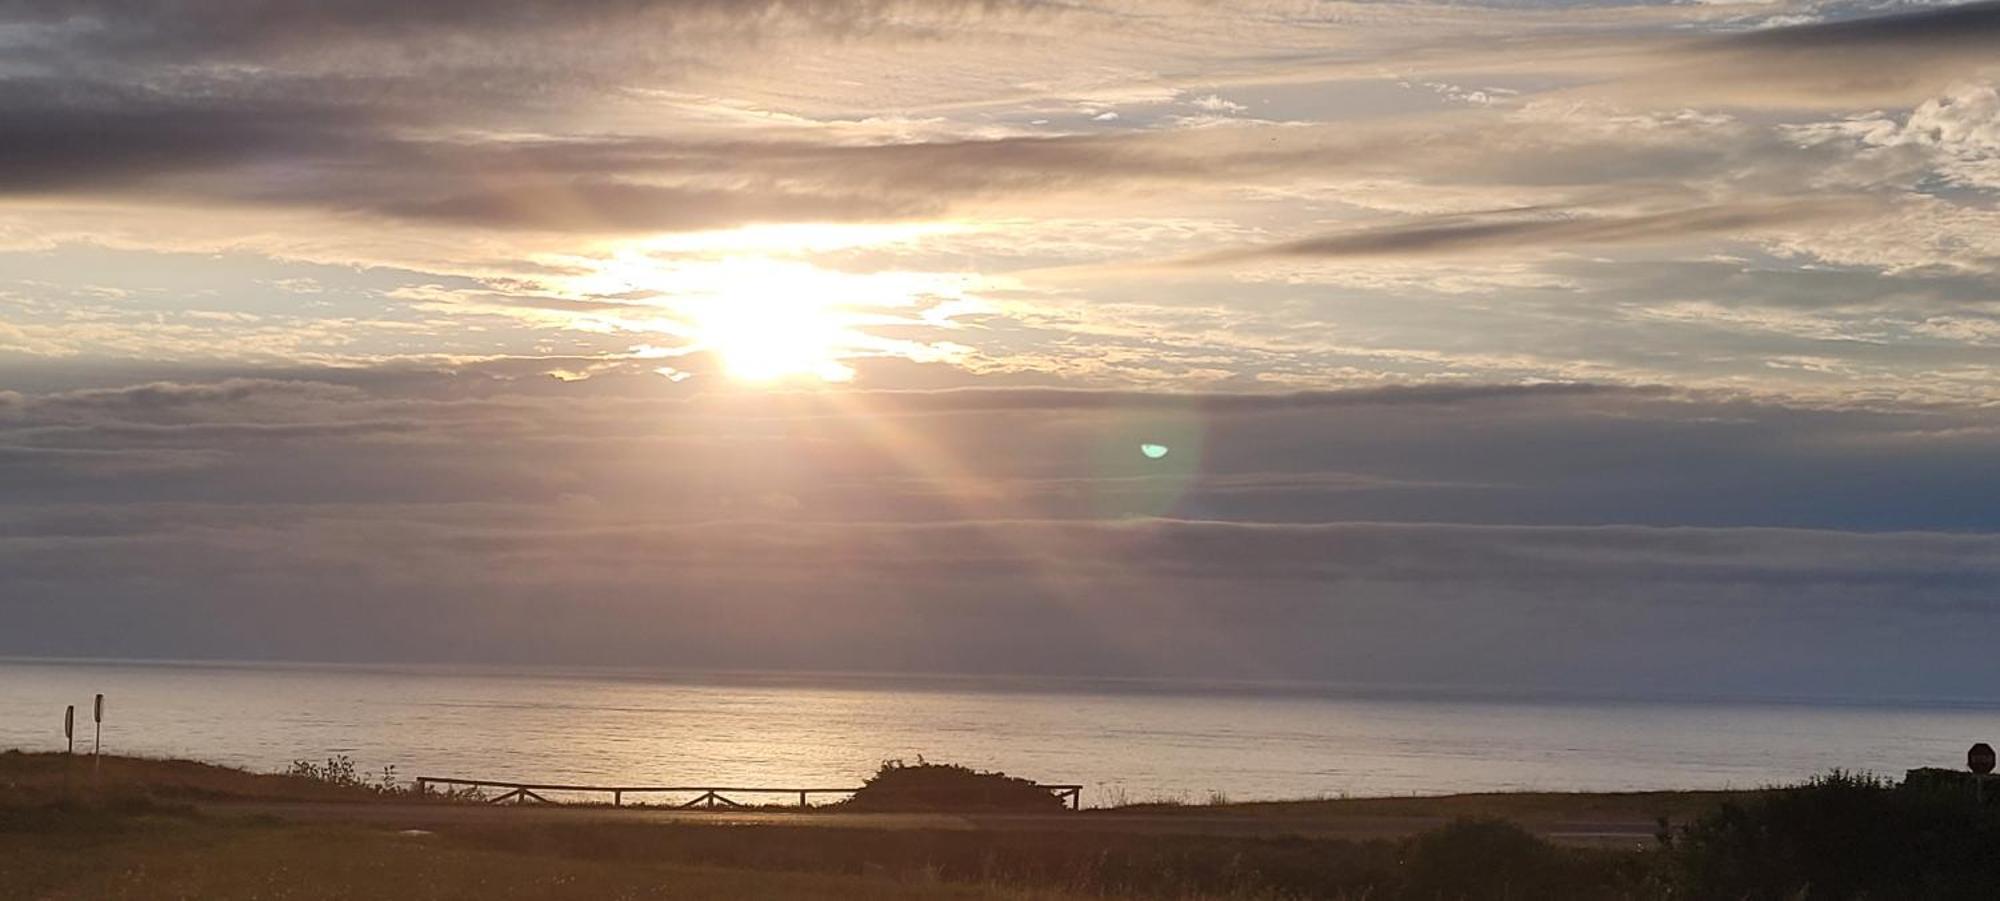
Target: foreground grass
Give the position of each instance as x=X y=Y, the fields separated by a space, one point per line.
x=33 y=779
x=1523 y=807
x=138 y=851
x=134 y=833
x=141 y=834
x=106 y=856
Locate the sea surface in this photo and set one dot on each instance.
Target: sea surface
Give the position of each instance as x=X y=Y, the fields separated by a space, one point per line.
x=1123 y=740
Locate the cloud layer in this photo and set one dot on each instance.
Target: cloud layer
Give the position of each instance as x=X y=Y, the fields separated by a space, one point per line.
x=1661 y=338
x=1006 y=531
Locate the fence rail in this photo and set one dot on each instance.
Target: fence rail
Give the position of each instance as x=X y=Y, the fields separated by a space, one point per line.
x=706 y=796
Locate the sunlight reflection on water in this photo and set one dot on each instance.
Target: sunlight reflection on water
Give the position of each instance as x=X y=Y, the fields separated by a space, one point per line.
x=1121 y=740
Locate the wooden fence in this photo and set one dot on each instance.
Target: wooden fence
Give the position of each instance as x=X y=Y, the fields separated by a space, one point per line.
x=708 y=797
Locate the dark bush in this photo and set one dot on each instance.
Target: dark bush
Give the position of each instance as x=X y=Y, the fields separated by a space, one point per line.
x=922 y=786
x=1842 y=836
x=1486 y=858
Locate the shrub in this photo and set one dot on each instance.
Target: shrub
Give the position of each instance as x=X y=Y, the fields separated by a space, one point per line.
x=1843 y=835
x=941 y=786
x=339 y=770
x=1489 y=858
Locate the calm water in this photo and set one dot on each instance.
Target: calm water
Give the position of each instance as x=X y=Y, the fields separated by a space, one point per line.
x=1123 y=740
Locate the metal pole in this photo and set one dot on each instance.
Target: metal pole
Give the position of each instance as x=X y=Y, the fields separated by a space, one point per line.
x=97 y=743
x=69 y=759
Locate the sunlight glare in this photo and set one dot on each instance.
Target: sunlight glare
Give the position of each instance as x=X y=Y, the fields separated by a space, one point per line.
x=764 y=315
x=774 y=333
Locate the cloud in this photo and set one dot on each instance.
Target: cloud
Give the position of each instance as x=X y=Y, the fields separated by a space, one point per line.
x=1506 y=232
x=1675 y=348
x=1853 y=63
x=1366 y=602
x=153 y=401
x=1954 y=137
x=974 y=400
x=596 y=206
x=234 y=31
x=360 y=514
x=1547 y=453
x=59 y=135
x=1966 y=27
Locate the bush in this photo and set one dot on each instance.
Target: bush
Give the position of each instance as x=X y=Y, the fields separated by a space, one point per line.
x=1843 y=835
x=339 y=770
x=922 y=786
x=1487 y=858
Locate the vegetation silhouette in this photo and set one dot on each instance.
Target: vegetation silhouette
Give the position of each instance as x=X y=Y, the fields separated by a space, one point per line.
x=1843 y=835
x=925 y=786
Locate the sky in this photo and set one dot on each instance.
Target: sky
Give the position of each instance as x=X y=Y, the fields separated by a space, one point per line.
x=1620 y=347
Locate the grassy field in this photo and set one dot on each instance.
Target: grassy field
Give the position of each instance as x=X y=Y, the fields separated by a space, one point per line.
x=134 y=832
x=28 y=780
x=153 y=858
x=1523 y=807
x=152 y=829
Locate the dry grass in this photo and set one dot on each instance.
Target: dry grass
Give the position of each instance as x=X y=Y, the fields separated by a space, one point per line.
x=137 y=837
x=1524 y=807
x=32 y=779
x=150 y=859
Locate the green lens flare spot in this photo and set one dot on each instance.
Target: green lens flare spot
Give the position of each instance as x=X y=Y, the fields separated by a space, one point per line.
x=1154 y=451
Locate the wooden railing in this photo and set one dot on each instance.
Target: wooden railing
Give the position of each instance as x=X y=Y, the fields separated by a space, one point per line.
x=708 y=797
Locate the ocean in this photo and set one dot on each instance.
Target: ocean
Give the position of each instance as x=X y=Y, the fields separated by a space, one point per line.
x=1126 y=741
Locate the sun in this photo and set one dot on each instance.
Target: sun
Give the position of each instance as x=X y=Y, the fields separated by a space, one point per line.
x=749 y=303
x=769 y=320
x=771 y=335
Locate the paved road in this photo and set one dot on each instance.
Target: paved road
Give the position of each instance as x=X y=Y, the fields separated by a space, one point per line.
x=1604 y=831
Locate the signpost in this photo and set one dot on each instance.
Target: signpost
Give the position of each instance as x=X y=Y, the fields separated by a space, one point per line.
x=69 y=759
x=97 y=743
